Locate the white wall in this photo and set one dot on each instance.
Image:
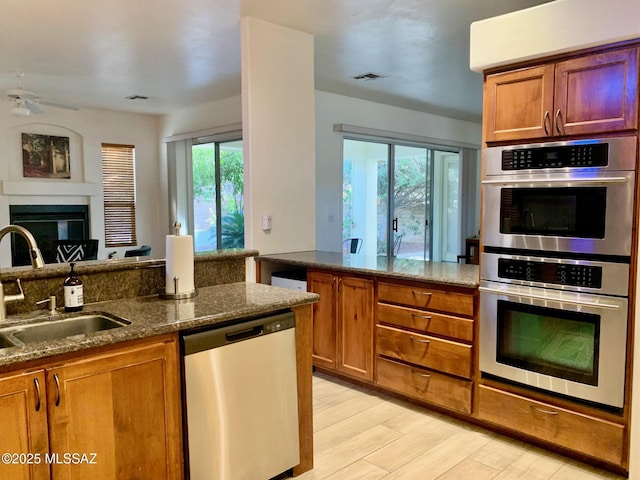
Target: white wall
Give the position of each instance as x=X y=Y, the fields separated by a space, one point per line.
x=87 y=129
x=278 y=131
x=334 y=109
x=202 y=117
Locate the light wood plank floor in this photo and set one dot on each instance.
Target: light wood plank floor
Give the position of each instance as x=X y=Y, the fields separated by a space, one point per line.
x=364 y=435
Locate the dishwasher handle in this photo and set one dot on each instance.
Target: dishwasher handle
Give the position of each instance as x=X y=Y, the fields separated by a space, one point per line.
x=245 y=334
x=216 y=337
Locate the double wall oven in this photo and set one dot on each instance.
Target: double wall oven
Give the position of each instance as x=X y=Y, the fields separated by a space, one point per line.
x=557 y=226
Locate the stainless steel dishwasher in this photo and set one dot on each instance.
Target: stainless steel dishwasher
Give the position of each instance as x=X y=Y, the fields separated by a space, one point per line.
x=241 y=400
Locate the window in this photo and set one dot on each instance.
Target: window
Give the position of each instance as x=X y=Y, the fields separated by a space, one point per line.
x=218 y=195
x=119 y=187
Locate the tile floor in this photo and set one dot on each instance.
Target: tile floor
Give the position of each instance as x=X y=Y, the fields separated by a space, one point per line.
x=364 y=435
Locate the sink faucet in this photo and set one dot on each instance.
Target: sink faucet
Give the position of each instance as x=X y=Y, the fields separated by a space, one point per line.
x=36 y=262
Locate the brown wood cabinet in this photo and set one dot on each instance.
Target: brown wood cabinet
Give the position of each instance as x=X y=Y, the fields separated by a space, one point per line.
x=424 y=350
x=424 y=343
x=440 y=299
x=23 y=411
x=585 y=434
x=123 y=405
x=427 y=385
x=324 y=318
x=343 y=323
x=591 y=94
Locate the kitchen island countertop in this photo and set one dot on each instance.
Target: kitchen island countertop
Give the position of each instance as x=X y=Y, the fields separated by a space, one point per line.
x=381 y=266
x=151 y=315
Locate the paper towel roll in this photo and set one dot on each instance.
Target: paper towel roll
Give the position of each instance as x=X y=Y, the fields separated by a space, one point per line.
x=179 y=264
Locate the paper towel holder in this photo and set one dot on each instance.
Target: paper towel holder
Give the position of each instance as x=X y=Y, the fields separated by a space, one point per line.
x=178 y=296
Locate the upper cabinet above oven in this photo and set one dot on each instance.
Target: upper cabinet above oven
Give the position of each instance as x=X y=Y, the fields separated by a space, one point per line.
x=590 y=94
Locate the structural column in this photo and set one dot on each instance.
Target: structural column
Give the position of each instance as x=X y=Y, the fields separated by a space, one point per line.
x=278 y=133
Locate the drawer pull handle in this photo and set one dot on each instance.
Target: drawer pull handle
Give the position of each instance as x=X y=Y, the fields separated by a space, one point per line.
x=37 y=385
x=425 y=317
x=425 y=375
x=418 y=340
x=541 y=410
x=57 y=380
x=418 y=292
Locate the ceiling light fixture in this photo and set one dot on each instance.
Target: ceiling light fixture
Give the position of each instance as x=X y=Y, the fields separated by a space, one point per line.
x=367 y=76
x=20 y=111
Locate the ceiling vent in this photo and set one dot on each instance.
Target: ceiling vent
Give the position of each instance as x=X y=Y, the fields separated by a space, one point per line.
x=137 y=97
x=368 y=76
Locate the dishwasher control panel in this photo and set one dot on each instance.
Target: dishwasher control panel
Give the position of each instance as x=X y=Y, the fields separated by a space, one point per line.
x=280 y=324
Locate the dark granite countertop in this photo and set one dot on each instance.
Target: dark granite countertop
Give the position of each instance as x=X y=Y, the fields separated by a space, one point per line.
x=398 y=268
x=152 y=315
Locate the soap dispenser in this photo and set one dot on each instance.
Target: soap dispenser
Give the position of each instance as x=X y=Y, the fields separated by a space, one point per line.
x=73 y=292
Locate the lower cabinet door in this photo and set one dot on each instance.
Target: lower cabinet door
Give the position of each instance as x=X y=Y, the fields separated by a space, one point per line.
x=24 y=439
x=355 y=327
x=324 y=318
x=426 y=385
x=585 y=434
x=117 y=415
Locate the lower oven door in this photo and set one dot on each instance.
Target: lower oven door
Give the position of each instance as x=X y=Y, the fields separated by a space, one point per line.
x=572 y=344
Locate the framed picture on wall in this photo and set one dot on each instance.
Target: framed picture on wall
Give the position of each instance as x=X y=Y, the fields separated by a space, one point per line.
x=45 y=156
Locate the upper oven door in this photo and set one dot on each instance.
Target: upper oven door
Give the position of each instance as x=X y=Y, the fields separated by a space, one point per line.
x=576 y=212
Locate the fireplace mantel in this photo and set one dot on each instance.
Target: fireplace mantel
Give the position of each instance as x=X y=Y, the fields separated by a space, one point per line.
x=50 y=188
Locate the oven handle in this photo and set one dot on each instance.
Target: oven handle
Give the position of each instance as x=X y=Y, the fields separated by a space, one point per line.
x=538 y=297
x=564 y=181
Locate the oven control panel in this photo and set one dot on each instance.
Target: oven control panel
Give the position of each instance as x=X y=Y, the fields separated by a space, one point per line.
x=553 y=273
x=589 y=155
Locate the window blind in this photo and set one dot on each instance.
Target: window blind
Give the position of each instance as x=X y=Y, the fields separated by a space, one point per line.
x=119 y=190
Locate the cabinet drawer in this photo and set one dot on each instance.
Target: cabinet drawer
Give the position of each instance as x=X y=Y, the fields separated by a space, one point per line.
x=426 y=321
x=582 y=433
x=430 y=352
x=432 y=299
x=448 y=392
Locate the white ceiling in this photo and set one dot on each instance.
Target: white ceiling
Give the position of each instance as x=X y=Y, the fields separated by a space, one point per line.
x=94 y=54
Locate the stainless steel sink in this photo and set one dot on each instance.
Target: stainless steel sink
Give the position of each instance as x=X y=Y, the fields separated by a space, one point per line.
x=63 y=328
x=5 y=342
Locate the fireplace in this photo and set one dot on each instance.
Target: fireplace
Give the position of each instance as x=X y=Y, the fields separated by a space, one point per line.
x=47 y=223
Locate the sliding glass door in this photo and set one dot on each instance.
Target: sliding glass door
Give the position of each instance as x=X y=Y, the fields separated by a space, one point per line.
x=411 y=202
x=394 y=197
x=218 y=194
x=365 y=196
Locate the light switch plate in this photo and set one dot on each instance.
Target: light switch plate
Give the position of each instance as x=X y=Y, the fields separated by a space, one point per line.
x=266 y=221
